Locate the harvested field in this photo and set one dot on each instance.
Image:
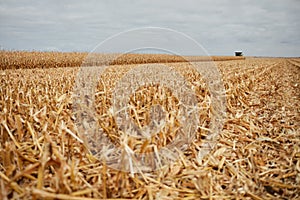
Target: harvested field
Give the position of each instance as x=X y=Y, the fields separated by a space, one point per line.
x=257 y=155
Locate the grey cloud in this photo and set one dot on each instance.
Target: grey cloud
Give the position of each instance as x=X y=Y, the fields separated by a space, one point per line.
x=259 y=27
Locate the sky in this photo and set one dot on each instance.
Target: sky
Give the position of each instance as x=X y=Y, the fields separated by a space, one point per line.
x=257 y=27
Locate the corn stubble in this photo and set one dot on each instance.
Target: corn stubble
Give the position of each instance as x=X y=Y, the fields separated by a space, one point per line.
x=42 y=155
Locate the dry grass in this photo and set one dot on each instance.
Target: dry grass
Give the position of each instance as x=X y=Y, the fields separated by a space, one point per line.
x=257 y=155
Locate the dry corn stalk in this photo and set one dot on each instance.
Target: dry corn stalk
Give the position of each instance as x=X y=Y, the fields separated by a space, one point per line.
x=257 y=156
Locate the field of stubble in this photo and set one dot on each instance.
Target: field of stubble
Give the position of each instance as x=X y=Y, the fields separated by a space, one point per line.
x=257 y=155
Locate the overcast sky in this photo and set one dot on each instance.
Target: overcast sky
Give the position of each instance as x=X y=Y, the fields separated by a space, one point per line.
x=258 y=27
